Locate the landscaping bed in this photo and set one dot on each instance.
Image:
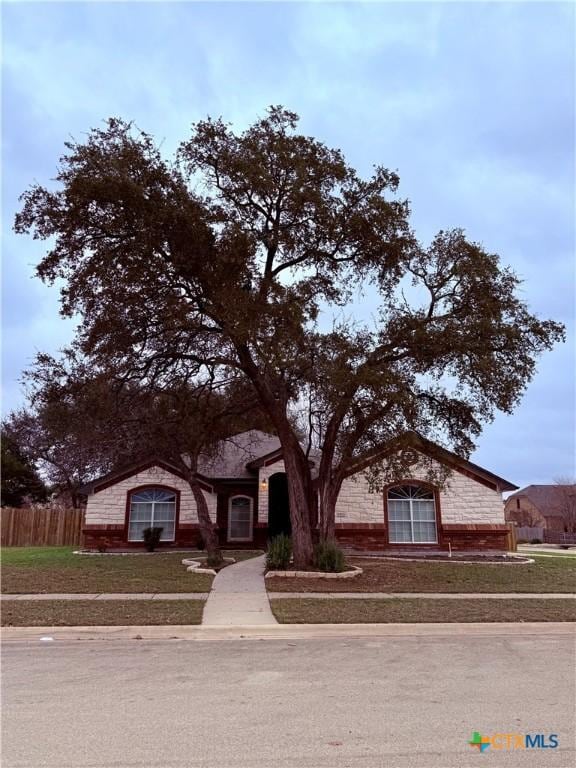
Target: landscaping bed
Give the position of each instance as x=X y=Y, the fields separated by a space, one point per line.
x=546 y=574
x=406 y=610
x=73 y=613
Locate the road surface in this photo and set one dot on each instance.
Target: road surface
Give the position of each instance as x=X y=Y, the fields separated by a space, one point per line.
x=280 y=703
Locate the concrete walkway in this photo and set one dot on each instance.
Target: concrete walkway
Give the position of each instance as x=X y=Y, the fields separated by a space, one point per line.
x=239 y=596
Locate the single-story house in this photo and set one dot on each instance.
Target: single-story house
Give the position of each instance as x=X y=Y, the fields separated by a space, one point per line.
x=247 y=496
x=544 y=506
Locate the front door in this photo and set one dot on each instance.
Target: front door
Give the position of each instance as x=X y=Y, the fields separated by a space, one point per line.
x=278 y=506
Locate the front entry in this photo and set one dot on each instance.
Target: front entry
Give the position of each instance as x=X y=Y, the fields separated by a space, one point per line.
x=278 y=506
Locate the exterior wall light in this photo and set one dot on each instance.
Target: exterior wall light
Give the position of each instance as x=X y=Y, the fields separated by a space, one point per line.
x=264 y=484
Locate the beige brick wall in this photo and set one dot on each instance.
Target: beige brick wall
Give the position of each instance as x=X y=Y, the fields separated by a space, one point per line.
x=462 y=500
x=264 y=473
x=108 y=507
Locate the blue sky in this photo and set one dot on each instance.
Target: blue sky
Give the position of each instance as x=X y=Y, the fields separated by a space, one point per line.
x=472 y=103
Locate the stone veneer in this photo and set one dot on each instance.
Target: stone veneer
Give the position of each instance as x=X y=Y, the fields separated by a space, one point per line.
x=108 y=506
x=462 y=501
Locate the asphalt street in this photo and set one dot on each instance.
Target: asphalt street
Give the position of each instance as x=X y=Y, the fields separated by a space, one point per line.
x=302 y=703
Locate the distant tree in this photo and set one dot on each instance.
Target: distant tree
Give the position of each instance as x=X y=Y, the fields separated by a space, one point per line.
x=227 y=258
x=566 y=508
x=121 y=422
x=20 y=479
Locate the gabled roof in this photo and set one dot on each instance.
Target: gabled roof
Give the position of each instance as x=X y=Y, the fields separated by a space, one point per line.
x=237 y=453
x=117 y=475
x=548 y=499
x=239 y=457
x=418 y=443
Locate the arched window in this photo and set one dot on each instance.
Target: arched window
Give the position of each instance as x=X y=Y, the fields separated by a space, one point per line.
x=240 y=518
x=411 y=515
x=152 y=508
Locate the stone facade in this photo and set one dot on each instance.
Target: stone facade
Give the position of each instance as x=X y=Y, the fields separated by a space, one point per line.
x=471 y=514
x=108 y=506
x=463 y=500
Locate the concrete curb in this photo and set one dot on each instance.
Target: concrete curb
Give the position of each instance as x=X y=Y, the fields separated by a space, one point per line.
x=287 y=631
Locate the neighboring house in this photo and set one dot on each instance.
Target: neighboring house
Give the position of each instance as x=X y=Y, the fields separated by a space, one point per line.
x=541 y=506
x=247 y=495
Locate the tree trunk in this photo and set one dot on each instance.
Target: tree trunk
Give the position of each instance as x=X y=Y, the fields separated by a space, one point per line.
x=301 y=497
x=207 y=527
x=327 y=513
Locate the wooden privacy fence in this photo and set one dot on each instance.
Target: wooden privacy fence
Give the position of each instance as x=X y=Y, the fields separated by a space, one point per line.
x=41 y=527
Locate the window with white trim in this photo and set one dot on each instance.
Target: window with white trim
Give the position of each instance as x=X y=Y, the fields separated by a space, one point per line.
x=240 y=518
x=411 y=515
x=152 y=508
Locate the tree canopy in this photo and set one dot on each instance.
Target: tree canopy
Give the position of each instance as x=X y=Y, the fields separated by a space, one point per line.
x=233 y=257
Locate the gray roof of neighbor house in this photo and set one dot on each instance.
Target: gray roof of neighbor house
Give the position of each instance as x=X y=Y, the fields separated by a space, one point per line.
x=547 y=499
x=235 y=453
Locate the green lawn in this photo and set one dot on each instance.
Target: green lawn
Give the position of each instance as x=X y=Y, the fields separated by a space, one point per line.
x=70 y=613
x=407 y=610
x=56 y=569
x=547 y=574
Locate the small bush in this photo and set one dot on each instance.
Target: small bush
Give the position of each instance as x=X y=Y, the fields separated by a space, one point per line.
x=151 y=537
x=279 y=553
x=535 y=541
x=329 y=557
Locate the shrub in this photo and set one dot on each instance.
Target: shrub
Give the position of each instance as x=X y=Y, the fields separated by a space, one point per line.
x=329 y=557
x=535 y=541
x=151 y=537
x=279 y=553
x=102 y=545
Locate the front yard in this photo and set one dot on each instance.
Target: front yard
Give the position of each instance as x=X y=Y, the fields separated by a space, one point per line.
x=399 y=610
x=547 y=574
x=57 y=570
x=69 y=613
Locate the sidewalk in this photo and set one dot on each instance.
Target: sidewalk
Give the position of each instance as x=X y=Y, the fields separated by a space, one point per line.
x=234 y=593
x=239 y=596
x=175 y=633
x=111 y=596
x=422 y=595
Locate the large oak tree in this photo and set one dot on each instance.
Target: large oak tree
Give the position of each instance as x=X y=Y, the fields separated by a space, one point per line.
x=232 y=255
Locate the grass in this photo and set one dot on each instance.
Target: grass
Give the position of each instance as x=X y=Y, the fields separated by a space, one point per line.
x=545 y=575
x=55 y=569
x=70 y=613
x=407 y=610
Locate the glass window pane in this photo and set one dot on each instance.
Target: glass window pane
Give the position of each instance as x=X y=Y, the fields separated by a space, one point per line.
x=163 y=511
x=167 y=532
x=425 y=533
x=399 y=509
x=135 y=531
x=141 y=512
x=240 y=518
x=400 y=533
x=424 y=510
